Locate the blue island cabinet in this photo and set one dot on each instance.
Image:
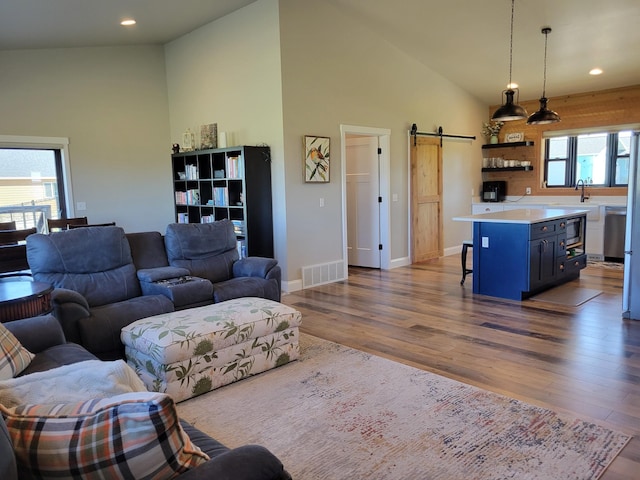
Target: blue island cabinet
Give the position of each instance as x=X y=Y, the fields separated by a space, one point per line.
x=520 y=253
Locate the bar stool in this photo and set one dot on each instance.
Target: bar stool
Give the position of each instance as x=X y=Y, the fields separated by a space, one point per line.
x=465 y=246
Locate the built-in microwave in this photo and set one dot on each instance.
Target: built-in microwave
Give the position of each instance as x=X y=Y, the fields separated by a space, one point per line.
x=575 y=231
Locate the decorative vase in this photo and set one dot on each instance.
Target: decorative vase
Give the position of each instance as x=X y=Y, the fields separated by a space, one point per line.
x=493 y=139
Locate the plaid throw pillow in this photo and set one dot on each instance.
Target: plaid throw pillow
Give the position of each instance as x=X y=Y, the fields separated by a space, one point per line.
x=133 y=435
x=14 y=358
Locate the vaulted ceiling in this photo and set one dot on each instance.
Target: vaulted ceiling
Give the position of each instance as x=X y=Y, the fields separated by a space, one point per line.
x=466 y=41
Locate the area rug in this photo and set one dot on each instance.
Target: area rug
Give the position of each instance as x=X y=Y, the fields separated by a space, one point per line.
x=606 y=265
x=567 y=294
x=339 y=413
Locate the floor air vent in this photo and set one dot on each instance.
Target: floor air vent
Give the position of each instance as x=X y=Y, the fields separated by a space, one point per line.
x=323 y=273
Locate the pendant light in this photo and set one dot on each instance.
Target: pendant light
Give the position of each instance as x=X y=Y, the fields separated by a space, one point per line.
x=509 y=110
x=544 y=115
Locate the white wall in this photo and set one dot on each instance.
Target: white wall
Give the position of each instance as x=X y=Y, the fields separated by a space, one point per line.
x=112 y=105
x=337 y=72
x=277 y=70
x=228 y=72
x=270 y=73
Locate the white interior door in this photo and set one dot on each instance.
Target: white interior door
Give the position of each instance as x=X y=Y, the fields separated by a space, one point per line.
x=363 y=207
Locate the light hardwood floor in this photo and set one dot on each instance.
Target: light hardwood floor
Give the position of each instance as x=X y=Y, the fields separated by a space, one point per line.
x=583 y=360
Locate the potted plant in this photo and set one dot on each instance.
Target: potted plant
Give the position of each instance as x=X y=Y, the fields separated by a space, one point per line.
x=491 y=129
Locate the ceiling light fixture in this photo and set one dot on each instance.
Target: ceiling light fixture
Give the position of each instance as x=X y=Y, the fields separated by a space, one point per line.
x=544 y=115
x=595 y=71
x=127 y=22
x=509 y=110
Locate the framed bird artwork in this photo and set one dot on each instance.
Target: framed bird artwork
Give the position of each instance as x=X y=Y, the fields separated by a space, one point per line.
x=316 y=159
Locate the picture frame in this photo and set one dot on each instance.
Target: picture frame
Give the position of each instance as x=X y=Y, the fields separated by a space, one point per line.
x=316 y=159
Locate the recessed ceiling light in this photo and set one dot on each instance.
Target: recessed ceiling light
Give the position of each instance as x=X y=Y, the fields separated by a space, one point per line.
x=128 y=22
x=595 y=71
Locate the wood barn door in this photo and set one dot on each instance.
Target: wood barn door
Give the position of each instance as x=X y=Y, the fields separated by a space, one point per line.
x=426 y=199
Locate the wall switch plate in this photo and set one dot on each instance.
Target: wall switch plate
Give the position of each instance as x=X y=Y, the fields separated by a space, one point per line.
x=321 y=201
x=485 y=242
x=80 y=206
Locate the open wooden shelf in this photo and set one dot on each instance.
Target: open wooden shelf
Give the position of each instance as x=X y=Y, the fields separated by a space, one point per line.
x=526 y=143
x=507 y=169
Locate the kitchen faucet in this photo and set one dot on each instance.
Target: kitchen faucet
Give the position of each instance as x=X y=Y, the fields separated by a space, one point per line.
x=581 y=183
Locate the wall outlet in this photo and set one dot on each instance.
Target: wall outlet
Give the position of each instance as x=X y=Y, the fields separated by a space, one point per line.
x=527 y=191
x=81 y=206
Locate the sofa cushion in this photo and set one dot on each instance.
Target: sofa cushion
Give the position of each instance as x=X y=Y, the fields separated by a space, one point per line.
x=207 y=250
x=147 y=250
x=100 y=333
x=133 y=435
x=14 y=358
x=94 y=261
x=57 y=356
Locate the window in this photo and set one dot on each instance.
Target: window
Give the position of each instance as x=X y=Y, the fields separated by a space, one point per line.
x=50 y=189
x=29 y=186
x=600 y=159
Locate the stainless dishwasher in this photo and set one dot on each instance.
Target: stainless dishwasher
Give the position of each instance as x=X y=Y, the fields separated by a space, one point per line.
x=615 y=221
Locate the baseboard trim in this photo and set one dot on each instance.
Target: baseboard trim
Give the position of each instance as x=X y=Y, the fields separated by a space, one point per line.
x=330 y=272
x=292 y=286
x=399 y=262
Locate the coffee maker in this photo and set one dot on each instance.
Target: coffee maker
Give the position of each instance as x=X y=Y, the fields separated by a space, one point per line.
x=494 y=191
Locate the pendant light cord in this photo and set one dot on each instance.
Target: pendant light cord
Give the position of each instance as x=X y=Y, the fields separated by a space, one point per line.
x=513 y=3
x=544 y=76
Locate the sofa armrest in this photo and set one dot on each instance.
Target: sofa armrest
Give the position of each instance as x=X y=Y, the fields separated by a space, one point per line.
x=249 y=462
x=36 y=334
x=150 y=275
x=254 y=267
x=69 y=307
x=60 y=296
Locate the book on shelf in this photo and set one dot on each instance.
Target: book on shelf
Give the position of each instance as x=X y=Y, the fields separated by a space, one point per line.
x=238 y=227
x=191 y=172
x=242 y=248
x=220 y=196
x=193 y=196
x=207 y=219
x=234 y=167
x=183 y=218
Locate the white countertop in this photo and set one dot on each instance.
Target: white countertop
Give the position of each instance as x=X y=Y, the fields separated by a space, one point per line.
x=522 y=215
x=560 y=201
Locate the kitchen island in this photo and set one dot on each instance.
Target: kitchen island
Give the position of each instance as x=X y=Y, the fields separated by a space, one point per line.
x=519 y=253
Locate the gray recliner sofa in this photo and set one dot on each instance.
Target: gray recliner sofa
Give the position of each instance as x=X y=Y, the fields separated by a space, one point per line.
x=105 y=279
x=97 y=291
x=43 y=337
x=209 y=250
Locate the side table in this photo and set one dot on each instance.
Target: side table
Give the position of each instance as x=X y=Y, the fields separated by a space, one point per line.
x=22 y=299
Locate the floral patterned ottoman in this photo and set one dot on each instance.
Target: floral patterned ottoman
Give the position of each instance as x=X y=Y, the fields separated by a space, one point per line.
x=190 y=352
